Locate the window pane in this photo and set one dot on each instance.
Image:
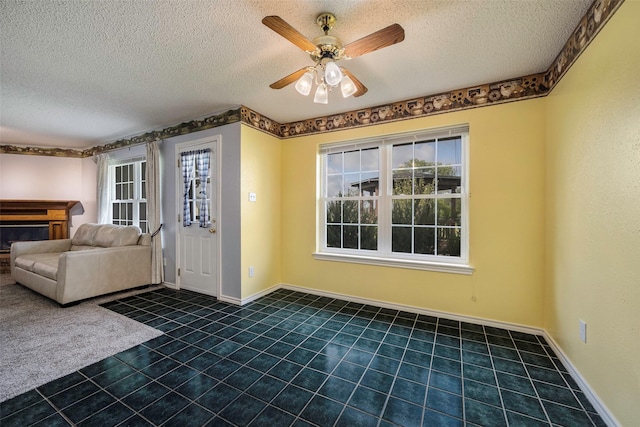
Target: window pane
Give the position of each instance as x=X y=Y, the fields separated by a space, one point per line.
x=450 y=151
x=333 y=236
x=402 y=212
x=449 y=179
x=143 y=211
x=402 y=156
x=425 y=181
x=370 y=159
x=368 y=212
x=402 y=182
x=350 y=236
x=425 y=240
x=449 y=241
x=118 y=191
x=449 y=212
x=129 y=210
x=334 y=186
x=334 y=163
x=350 y=211
x=334 y=213
x=370 y=183
x=115 y=212
x=369 y=237
x=190 y=194
x=425 y=153
x=352 y=161
x=425 y=212
x=351 y=184
x=401 y=239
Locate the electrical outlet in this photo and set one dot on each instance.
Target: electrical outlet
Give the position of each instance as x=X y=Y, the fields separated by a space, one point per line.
x=583 y=331
x=251 y=271
x=252 y=197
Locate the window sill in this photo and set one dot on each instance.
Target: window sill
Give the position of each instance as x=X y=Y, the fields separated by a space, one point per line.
x=398 y=263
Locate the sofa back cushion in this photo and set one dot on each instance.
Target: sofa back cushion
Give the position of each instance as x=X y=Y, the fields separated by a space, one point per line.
x=111 y=236
x=105 y=236
x=85 y=235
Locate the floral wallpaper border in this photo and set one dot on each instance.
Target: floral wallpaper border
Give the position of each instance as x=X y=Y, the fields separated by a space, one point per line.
x=228 y=117
x=532 y=86
x=535 y=85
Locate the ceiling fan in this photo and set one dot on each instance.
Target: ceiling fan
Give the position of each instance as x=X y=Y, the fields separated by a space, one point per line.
x=325 y=51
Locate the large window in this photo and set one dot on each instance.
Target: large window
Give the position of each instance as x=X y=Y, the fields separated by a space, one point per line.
x=400 y=200
x=128 y=194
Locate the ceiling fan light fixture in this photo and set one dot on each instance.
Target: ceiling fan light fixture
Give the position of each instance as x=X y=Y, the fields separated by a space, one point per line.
x=325 y=51
x=304 y=84
x=332 y=74
x=322 y=95
x=347 y=87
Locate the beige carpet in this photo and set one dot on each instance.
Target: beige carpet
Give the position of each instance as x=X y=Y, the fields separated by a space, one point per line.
x=40 y=341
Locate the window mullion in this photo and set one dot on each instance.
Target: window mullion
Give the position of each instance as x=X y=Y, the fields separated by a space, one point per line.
x=385 y=202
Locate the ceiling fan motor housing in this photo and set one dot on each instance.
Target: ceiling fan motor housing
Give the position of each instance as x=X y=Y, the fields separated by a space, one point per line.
x=328 y=47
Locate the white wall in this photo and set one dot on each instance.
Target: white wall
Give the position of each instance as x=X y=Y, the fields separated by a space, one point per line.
x=27 y=177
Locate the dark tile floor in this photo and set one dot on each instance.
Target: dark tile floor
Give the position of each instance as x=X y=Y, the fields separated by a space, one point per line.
x=298 y=359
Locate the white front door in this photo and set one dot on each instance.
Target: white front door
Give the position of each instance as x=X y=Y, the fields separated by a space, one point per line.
x=198 y=243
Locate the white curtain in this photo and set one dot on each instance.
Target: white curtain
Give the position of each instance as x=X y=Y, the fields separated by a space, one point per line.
x=102 y=195
x=153 y=210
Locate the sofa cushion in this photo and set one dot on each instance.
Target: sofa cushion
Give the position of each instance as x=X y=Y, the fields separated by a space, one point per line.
x=45 y=264
x=25 y=262
x=85 y=235
x=111 y=236
x=105 y=236
x=145 y=239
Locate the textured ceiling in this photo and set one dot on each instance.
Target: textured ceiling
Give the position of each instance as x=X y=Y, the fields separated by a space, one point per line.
x=80 y=73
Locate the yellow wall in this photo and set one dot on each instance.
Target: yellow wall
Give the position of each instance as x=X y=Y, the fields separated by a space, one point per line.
x=506 y=221
x=261 y=231
x=593 y=214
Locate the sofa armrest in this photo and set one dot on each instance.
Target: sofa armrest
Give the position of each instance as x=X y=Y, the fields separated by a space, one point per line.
x=38 y=247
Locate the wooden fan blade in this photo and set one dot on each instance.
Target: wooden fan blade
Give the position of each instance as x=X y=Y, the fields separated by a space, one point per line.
x=279 y=25
x=285 y=81
x=382 y=38
x=360 y=88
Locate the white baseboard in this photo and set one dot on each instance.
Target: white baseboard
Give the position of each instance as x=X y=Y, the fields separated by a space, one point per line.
x=591 y=395
x=418 y=310
x=230 y=300
x=598 y=405
x=259 y=294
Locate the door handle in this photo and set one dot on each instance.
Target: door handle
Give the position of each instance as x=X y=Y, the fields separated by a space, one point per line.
x=212 y=230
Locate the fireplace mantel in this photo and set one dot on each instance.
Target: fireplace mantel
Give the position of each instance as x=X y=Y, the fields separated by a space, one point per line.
x=53 y=212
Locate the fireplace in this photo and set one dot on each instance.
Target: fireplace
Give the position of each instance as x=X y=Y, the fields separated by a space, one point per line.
x=21 y=232
x=22 y=220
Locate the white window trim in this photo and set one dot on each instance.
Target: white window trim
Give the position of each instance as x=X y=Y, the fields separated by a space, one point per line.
x=456 y=265
x=441 y=267
x=137 y=187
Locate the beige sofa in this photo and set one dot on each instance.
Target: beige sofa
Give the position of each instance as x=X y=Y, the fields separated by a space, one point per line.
x=99 y=259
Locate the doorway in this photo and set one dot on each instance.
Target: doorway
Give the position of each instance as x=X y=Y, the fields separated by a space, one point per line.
x=198 y=241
